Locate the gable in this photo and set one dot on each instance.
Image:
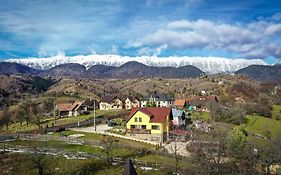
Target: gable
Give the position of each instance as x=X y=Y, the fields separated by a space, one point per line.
x=145 y=117
x=157 y=115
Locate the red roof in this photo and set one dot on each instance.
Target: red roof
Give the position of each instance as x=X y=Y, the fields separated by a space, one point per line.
x=157 y=114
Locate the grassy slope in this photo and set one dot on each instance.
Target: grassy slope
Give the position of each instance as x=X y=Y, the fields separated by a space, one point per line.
x=62 y=121
x=263 y=126
x=117 y=152
x=276 y=110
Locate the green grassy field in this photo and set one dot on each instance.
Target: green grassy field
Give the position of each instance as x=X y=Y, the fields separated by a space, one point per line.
x=150 y=158
x=276 y=111
x=61 y=121
x=99 y=137
x=204 y=116
x=267 y=127
x=62 y=166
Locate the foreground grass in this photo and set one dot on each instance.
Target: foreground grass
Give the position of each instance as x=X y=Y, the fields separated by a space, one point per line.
x=150 y=158
x=276 y=112
x=99 y=137
x=165 y=161
x=23 y=164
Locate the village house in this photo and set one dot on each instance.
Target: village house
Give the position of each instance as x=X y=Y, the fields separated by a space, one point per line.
x=150 y=123
x=202 y=103
x=110 y=102
x=71 y=109
x=155 y=100
x=131 y=102
x=92 y=104
x=181 y=104
x=179 y=119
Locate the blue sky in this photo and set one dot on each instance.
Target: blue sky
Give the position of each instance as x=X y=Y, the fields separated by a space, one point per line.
x=41 y=28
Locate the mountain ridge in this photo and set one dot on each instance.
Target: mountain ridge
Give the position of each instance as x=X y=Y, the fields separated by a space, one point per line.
x=264 y=73
x=209 y=65
x=128 y=70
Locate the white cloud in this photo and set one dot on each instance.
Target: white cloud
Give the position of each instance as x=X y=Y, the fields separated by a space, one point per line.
x=152 y=51
x=243 y=39
x=272 y=29
x=114 y=49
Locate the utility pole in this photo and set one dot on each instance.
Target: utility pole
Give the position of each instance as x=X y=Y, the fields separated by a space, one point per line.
x=54 y=112
x=95 y=115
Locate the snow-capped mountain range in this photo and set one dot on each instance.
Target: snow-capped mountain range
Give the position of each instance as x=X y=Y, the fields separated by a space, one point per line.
x=209 y=65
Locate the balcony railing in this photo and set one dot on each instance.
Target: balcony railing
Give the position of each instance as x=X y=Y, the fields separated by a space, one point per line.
x=138 y=131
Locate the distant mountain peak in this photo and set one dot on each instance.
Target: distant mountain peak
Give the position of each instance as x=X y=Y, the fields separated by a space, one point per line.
x=207 y=64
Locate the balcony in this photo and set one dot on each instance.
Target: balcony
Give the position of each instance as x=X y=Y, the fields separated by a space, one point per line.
x=138 y=131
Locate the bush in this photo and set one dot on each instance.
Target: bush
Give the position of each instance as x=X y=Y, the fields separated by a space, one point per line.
x=258 y=109
x=232 y=115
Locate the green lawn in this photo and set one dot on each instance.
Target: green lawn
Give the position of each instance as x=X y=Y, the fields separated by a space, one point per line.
x=276 y=111
x=205 y=116
x=93 y=136
x=267 y=127
x=61 y=121
x=165 y=161
x=48 y=121
x=150 y=158
x=60 y=165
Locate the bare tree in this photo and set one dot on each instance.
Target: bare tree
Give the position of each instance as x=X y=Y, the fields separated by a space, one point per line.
x=175 y=147
x=5 y=118
x=108 y=144
x=40 y=162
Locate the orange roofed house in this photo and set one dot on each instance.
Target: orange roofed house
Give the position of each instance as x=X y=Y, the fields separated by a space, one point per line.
x=150 y=123
x=71 y=109
x=182 y=104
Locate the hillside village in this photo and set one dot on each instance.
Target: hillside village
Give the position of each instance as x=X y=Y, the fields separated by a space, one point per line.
x=153 y=118
x=140 y=118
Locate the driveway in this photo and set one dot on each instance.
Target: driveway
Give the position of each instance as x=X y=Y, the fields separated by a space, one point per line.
x=91 y=129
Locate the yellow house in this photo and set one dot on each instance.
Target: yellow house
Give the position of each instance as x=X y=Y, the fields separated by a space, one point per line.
x=150 y=123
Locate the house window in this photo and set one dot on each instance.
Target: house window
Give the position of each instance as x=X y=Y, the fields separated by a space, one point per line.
x=136 y=119
x=133 y=126
x=140 y=119
x=155 y=127
x=143 y=126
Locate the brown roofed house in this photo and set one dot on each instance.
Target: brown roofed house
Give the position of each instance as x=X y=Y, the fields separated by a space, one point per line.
x=111 y=102
x=131 y=102
x=71 y=109
x=202 y=103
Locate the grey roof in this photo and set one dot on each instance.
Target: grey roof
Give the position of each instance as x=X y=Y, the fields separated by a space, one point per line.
x=177 y=112
x=160 y=97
